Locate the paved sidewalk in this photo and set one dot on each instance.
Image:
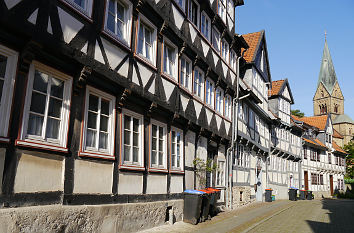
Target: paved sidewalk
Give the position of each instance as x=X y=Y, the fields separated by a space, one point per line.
x=236 y=220
x=282 y=216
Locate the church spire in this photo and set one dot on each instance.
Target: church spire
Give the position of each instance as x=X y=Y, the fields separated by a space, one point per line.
x=327 y=74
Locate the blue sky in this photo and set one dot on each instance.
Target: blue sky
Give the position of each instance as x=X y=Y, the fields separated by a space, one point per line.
x=295 y=41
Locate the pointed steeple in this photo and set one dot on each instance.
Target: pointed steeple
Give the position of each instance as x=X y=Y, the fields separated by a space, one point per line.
x=327 y=74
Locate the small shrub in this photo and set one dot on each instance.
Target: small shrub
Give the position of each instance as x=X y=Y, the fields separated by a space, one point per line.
x=349 y=181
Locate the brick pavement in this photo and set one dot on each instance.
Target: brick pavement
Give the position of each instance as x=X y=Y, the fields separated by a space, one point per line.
x=317 y=216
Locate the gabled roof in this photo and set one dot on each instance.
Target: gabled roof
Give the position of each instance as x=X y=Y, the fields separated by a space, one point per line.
x=316 y=121
x=336 y=134
x=253 y=40
x=338 y=148
x=278 y=88
x=327 y=74
x=315 y=142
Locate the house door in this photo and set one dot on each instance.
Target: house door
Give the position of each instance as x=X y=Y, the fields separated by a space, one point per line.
x=259 y=185
x=331 y=184
x=306 y=180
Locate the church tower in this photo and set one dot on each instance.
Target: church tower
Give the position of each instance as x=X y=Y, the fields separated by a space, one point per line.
x=328 y=97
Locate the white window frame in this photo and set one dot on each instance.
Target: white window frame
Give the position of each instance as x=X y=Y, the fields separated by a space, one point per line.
x=200 y=82
x=174 y=168
x=127 y=21
x=219 y=102
x=222 y=9
x=216 y=40
x=230 y=9
x=183 y=80
x=7 y=90
x=40 y=141
x=130 y=163
x=198 y=12
x=87 y=10
x=207 y=27
x=210 y=93
x=233 y=58
x=96 y=151
x=164 y=163
x=220 y=173
x=174 y=72
x=225 y=50
x=143 y=20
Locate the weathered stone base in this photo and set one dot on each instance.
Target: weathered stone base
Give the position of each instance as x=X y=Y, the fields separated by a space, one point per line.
x=241 y=196
x=101 y=218
x=320 y=194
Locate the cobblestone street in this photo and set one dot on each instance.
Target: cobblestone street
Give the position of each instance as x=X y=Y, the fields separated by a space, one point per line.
x=325 y=215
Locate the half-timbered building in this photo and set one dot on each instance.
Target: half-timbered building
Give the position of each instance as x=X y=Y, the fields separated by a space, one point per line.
x=323 y=161
x=283 y=163
x=253 y=124
x=110 y=101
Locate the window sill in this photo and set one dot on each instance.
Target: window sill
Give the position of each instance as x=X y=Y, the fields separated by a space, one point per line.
x=115 y=39
x=169 y=78
x=156 y=169
x=145 y=61
x=180 y=9
x=96 y=155
x=198 y=99
x=131 y=167
x=186 y=90
x=46 y=146
x=76 y=9
x=4 y=140
x=173 y=171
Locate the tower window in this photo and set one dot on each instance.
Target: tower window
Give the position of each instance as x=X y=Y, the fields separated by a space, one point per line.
x=336 y=108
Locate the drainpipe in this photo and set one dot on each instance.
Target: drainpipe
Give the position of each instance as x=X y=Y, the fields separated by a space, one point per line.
x=231 y=150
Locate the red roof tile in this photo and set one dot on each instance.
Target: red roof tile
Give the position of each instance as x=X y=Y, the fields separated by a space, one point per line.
x=336 y=134
x=316 y=121
x=252 y=40
x=338 y=148
x=276 y=86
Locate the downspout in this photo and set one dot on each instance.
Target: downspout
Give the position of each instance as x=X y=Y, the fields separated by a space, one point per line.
x=234 y=123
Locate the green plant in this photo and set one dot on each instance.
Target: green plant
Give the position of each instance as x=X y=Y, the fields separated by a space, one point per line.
x=349 y=181
x=202 y=167
x=349 y=160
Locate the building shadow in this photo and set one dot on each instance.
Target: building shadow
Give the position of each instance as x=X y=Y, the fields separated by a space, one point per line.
x=340 y=217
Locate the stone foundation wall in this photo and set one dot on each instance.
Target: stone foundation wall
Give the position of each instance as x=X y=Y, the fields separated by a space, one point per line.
x=100 y=219
x=319 y=194
x=246 y=196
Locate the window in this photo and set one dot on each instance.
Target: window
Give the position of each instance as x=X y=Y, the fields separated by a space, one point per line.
x=225 y=50
x=99 y=124
x=198 y=83
x=209 y=92
x=147 y=40
x=222 y=9
x=321 y=179
x=205 y=26
x=220 y=175
x=169 y=59
x=180 y=3
x=118 y=20
x=251 y=119
x=8 y=64
x=193 y=12
x=46 y=111
x=240 y=155
x=186 y=73
x=219 y=102
x=176 y=149
x=329 y=158
x=230 y=9
x=233 y=60
x=158 y=145
x=245 y=113
x=228 y=106
x=132 y=138
x=84 y=6
x=216 y=39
